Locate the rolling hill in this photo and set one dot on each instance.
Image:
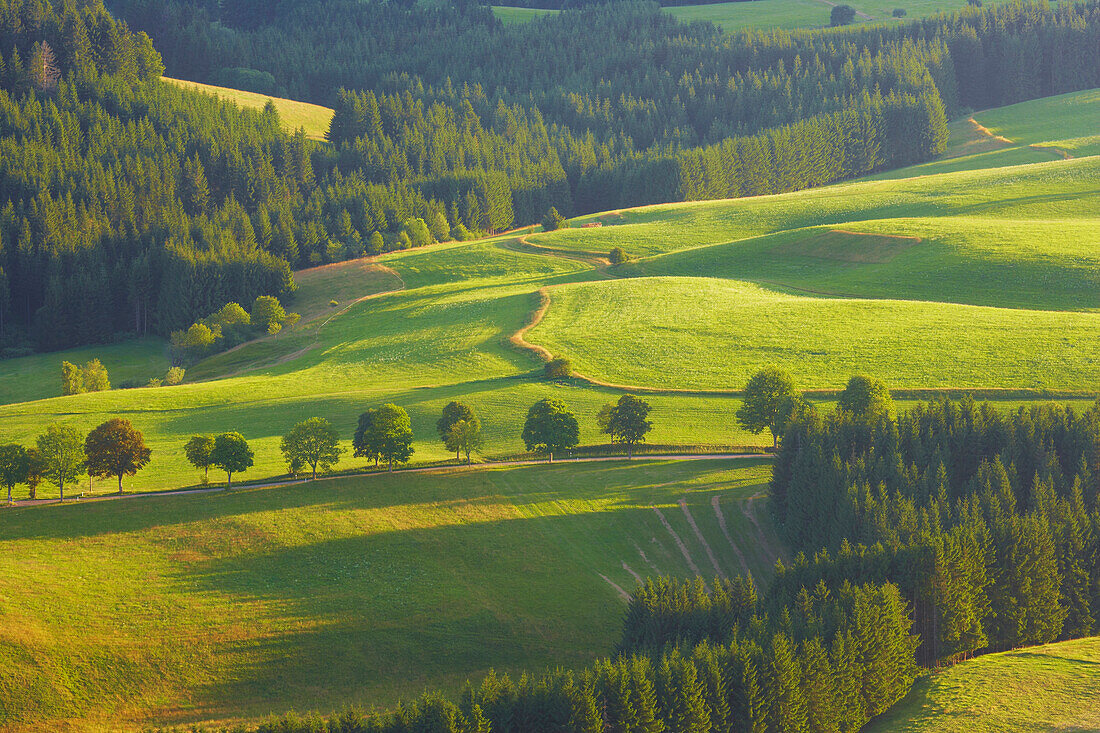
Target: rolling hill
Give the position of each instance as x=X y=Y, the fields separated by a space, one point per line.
x=125 y=614
x=1000 y=258
x=1043 y=688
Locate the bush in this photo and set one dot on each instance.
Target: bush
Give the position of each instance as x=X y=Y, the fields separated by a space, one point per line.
x=899 y=12
x=174 y=376
x=553 y=220
x=559 y=368
x=844 y=14
x=617 y=256
x=154 y=382
x=461 y=234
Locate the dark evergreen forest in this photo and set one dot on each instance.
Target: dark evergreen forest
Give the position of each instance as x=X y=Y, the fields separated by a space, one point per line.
x=129 y=207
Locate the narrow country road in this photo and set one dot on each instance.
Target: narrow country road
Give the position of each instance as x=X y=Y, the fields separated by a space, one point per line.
x=367 y=474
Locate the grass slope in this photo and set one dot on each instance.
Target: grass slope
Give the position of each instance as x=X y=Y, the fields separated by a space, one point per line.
x=836 y=266
x=1045 y=688
x=312 y=118
x=124 y=614
x=743 y=327
x=766 y=14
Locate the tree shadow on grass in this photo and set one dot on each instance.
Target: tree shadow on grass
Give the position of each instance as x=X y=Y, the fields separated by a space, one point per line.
x=371 y=619
x=562 y=481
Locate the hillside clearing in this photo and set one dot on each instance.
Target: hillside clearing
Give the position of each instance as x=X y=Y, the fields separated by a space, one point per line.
x=312 y=118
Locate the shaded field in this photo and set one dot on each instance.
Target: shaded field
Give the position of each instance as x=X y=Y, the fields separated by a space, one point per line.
x=225 y=606
x=1042 y=688
x=38 y=376
x=312 y=118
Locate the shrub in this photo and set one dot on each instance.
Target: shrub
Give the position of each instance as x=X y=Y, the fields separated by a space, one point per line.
x=899 y=12
x=461 y=234
x=558 y=368
x=154 y=382
x=174 y=376
x=843 y=15
x=617 y=256
x=334 y=302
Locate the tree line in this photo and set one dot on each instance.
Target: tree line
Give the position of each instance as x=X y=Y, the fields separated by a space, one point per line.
x=383 y=434
x=989 y=522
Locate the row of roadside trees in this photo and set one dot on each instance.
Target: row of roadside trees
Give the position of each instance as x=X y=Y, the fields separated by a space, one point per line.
x=384 y=434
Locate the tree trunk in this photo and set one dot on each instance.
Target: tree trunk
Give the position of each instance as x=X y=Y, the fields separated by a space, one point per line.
x=314 y=472
x=391 y=464
x=61 y=488
x=120 y=484
x=9 y=493
x=228 y=480
x=775 y=442
x=551 y=454
x=629 y=451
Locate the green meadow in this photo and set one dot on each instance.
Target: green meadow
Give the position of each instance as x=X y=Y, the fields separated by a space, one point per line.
x=765 y=14
x=712 y=334
x=1042 y=688
x=233 y=605
x=982 y=279
x=294 y=115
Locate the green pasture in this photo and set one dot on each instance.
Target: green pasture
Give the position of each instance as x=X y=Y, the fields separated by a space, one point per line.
x=1039 y=130
x=120 y=615
x=712 y=334
x=508 y=14
x=874 y=277
x=312 y=118
x=36 y=377
x=1055 y=687
x=765 y=14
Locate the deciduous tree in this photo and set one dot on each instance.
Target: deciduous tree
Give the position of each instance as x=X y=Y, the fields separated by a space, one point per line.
x=628 y=421
x=231 y=454
x=465 y=436
x=14 y=465
x=766 y=404
x=867 y=398
x=62 y=450
x=314 y=443
x=385 y=433
x=199 y=450
x=116 y=448
x=550 y=428
x=453 y=413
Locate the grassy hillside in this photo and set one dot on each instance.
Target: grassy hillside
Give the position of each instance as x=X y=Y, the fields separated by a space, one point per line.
x=660 y=336
x=312 y=118
x=1043 y=688
x=896 y=263
x=764 y=14
x=123 y=614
